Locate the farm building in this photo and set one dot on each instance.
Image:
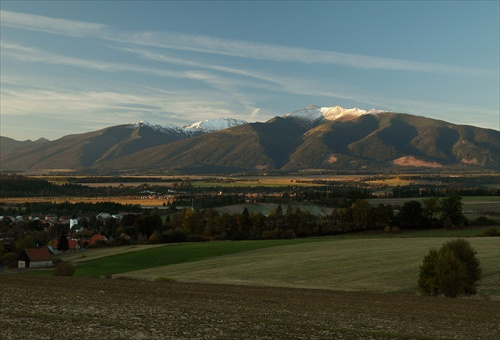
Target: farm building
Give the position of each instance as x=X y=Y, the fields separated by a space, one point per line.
x=35 y=258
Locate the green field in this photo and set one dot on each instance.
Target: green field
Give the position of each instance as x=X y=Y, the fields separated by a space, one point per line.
x=379 y=265
x=166 y=255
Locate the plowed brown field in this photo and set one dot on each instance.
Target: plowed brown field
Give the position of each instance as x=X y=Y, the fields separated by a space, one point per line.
x=34 y=307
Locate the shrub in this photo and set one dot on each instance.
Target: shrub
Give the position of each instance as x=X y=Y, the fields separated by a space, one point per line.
x=9 y=260
x=174 y=236
x=153 y=239
x=428 y=282
x=483 y=221
x=452 y=270
x=64 y=269
x=197 y=238
x=493 y=231
x=164 y=279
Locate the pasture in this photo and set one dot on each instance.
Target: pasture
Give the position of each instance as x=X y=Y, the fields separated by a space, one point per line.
x=378 y=265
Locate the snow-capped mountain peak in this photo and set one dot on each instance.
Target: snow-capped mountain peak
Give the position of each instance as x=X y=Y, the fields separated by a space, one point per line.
x=308 y=114
x=205 y=126
x=214 y=124
x=314 y=113
x=156 y=127
x=337 y=112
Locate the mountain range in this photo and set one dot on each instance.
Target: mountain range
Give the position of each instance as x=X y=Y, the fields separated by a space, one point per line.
x=327 y=138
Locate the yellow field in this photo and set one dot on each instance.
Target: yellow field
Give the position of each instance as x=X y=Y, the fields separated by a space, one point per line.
x=145 y=202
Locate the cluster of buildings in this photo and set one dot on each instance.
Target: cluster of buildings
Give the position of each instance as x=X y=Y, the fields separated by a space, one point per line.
x=42 y=257
x=46 y=220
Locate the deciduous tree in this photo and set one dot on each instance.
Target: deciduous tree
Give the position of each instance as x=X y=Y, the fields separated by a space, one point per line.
x=410 y=215
x=452 y=270
x=62 y=243
x=451 y=207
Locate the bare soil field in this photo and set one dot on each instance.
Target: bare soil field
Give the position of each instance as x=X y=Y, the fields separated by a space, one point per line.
x=34 y=307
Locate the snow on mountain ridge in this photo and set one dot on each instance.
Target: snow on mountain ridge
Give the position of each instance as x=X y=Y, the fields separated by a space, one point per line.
x=202 y=126
x=156 y=127
x=214 y=124
x=313 y=113
x=310 y=115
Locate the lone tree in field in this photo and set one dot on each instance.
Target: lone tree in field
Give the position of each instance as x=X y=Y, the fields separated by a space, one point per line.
x=452 y=270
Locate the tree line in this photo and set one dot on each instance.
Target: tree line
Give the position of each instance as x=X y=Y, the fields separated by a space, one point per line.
x=289 y=221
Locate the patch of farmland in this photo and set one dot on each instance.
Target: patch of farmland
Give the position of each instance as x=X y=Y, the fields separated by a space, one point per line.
x=97 y=253
x=89 y=308
x=370 y=265
x=266 y=208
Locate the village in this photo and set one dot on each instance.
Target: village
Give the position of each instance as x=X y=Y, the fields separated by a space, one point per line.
x=46 y=235
x=42 y=257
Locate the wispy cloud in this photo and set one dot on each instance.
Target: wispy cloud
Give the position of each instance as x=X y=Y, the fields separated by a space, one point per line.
x=165 y=58
x=110 y=108
x=227 y=47
x=150 y=79
x=280 y=53
x=36 y=55
x=265 y=81
x=46 y=24
x=229 y=86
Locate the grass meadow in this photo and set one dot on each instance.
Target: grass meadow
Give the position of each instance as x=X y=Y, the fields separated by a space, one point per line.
x=368 y=264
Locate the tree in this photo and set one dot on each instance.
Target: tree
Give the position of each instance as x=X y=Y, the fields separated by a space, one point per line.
x=428 y=282
x=430 y=207
x=148 y=223
x=383 y=214
x=464 y=252
x=361 y=214
x=63 y=243
x=25 y=242
x=451 y=208
x=452 y=270
x=410 y=215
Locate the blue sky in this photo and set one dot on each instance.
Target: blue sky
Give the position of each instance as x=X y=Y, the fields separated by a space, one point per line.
x=72 y=67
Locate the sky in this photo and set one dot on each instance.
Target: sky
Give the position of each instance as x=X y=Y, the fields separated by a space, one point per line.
x=70 y=67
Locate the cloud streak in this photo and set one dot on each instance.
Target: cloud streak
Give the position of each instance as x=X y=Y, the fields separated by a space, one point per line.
x=279 y=53
x=227 y=85
x=46 y=24
x=226 y=47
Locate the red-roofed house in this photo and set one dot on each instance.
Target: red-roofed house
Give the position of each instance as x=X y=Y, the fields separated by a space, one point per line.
x=72 y=244
x=35 y=258
x=98 y=237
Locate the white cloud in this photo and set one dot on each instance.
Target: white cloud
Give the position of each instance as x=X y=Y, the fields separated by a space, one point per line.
x=227 y=47
x=210 y=89
x=35 y=55
x=49 y=25
x=280 y=53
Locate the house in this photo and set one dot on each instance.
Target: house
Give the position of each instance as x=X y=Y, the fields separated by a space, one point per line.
x=103 y=216
x=89 y=242
x=98 y=238
x=72 y=244
x=35 y=258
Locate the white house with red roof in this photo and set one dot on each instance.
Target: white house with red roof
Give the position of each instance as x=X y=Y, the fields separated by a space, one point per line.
x=35 y=258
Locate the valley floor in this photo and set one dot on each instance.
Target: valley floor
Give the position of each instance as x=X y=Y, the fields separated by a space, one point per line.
x=34 y=307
